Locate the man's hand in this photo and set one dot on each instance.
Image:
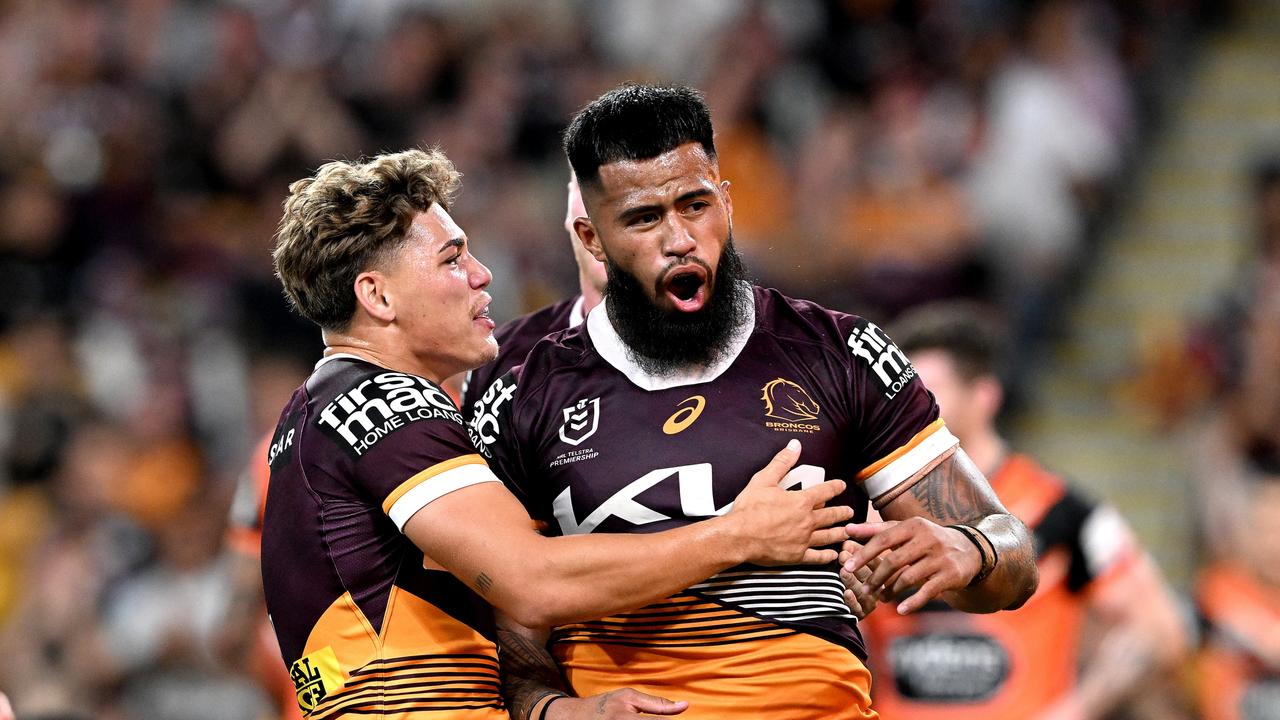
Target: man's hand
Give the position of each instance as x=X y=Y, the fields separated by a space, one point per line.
x=915 y=554
x=784 y=527
x=856 y=594
x=625 y=703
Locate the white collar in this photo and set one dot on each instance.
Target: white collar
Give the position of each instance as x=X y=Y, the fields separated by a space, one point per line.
x=338 y=356
x=612 y=348
x=575 y=314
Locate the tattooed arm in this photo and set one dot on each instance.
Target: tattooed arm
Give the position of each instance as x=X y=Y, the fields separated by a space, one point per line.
x=530 y=677
x=531 y=681
x=989 y=564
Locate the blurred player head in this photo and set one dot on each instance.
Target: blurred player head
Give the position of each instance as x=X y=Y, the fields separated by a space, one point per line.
x=591 y=272
x=369 y=252
x=660 y=218
x=956 y=350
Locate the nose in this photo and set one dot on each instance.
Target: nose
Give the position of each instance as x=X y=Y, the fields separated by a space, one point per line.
x=479 y=276
x=677 y=241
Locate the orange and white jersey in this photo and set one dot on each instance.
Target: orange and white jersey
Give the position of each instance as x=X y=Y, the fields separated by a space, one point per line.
x=941 y=663
x=1239 y=666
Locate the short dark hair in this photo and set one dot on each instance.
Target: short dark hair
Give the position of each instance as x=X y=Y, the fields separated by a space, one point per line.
x=968 y=332
x=636 y=122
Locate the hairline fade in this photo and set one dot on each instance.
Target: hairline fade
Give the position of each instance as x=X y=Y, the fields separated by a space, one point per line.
x=636 y=122
x=346 y=218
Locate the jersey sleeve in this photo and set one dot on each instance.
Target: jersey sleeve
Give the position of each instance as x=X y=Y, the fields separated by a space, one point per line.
x=897 y=434
x=407 y=440
x=1107 y=549
x=1095 y=535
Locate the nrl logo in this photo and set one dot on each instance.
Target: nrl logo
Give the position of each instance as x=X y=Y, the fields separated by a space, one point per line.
x=580 y=421
x=788 y=401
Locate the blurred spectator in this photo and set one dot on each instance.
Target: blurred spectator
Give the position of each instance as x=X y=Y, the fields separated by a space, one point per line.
x=1036 y=662
x=56 y=655
x=160 y=628
x=1224 y=375
x=1239 y=600
x=1056 y=121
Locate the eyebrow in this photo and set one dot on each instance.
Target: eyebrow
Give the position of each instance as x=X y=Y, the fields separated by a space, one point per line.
x=626 y=215
x=451 y=243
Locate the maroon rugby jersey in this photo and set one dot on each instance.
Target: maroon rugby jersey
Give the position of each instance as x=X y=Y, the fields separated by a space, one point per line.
x=515 y=339
x=364 y=627
x=591 y=443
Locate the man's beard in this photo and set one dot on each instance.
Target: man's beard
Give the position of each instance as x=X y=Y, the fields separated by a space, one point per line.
x=664 y=342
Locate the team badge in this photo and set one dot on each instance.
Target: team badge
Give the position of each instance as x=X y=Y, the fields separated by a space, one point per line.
x=790 y=406
x=580 y=421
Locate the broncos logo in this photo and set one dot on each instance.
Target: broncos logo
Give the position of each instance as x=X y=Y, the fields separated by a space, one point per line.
x=788 y=401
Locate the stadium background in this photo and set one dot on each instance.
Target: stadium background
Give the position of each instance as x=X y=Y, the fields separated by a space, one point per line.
x=1087 y=167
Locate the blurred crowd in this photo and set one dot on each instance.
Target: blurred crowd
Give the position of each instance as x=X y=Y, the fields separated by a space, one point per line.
x=882 y=154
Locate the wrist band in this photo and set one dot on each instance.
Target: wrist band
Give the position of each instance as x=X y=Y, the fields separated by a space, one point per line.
x=988 y=560
x=555 y=696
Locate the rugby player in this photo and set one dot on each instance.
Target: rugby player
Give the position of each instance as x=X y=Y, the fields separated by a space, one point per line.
x=375 y=487
x=938 y=663
x=642 y=419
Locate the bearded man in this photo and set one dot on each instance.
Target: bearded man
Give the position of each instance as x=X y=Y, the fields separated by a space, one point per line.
x=642 y=419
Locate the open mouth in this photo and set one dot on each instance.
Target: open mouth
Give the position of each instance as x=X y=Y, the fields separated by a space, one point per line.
x=687 y=288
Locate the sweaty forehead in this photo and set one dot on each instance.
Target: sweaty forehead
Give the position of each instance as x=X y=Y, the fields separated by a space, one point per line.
x=628 y=183
x=435 y=227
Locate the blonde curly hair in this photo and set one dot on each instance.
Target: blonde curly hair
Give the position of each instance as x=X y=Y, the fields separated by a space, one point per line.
x=346 y=219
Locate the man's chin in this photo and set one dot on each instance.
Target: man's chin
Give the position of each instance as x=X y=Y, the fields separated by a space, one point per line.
x=490 y=351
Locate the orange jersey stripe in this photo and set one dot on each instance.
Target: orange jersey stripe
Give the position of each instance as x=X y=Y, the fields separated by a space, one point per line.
x=887 y=460
x=423 y=476
x=795 y=677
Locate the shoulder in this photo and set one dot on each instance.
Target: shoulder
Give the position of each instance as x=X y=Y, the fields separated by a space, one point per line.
x=527 y=330
x=562 y=349
x=357 y=404
x=799 y=320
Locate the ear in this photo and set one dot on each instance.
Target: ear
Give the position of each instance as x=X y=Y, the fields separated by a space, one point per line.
x=728 y=199
x=590 y=239
x=373 y=295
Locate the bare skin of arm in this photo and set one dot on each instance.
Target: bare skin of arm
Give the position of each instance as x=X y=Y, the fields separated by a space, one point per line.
x=1142 y=635
x=917 y=551
x=485 y=538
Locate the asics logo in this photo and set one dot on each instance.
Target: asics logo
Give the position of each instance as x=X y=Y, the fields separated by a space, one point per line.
x=685 y=416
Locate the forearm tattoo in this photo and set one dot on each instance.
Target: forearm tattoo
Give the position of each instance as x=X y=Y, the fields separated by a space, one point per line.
x=528 y=673
x=949 y=495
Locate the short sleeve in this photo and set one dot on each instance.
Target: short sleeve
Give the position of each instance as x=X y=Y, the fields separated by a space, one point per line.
x=1106 y=545
x=1094 y=534
x=407 y=441
x=897 y=433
